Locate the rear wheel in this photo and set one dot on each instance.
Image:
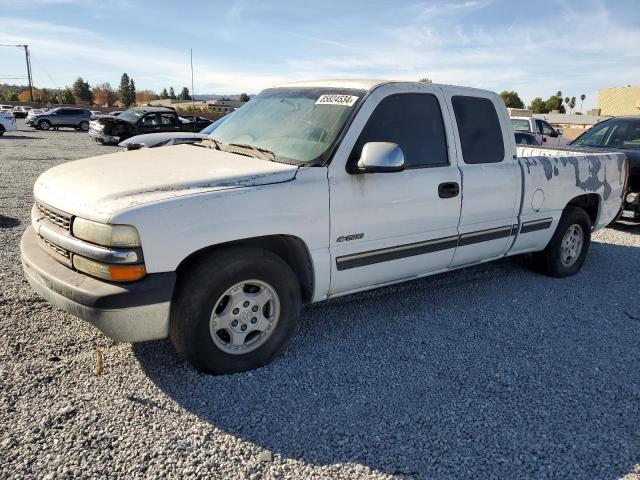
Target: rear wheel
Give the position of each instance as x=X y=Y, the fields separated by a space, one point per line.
x=568 y=248
x=235 y=310
x=44 y=124
x=1 y=130
x=84 y=126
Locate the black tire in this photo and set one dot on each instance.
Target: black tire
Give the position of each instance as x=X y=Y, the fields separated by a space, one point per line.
x=198 y=291
x=44 y=125
x=1 y=130
x=84 y=126
x=549 y=260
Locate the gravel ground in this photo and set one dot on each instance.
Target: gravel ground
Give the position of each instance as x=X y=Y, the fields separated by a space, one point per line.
x=489 y=372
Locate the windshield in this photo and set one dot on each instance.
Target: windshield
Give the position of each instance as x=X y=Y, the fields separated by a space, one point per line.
x=131 y=115
x=520 y=125
x=299 y=125
x=216 y=124
x=613 y=133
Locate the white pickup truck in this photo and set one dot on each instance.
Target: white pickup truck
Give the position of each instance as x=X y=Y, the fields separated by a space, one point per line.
x=311 y=191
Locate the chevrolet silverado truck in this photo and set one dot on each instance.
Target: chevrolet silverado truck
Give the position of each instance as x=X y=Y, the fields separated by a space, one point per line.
x=110 y=129
x=311 y=191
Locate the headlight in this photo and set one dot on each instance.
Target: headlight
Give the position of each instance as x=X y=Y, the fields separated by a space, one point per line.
x=106 y=235
x=114 y=273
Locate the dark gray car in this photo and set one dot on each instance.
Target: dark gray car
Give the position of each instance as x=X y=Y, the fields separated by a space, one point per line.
x=77 y=118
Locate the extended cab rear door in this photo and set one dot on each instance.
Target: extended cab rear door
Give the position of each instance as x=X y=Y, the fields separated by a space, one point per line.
x=388 y=226
x=491 y=181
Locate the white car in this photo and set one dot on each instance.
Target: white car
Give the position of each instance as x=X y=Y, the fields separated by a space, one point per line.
x=545 y=134
x=7 y=122
x=311 y=191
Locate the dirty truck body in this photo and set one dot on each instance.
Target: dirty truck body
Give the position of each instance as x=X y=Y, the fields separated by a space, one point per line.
x=311 y=191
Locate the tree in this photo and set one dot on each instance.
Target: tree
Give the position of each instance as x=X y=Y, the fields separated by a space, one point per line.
x=244 y=97
x=103 y=95
x=172 y=93
x=554 y=103
x=582 y=97
x=127 y=90
x=425 y=80
x=184 y=94
x=82 y=91
x=164 y=94
x=67 y=97
x=146 y=96
x=572 y=104
x=538 y=105
x=511 y=99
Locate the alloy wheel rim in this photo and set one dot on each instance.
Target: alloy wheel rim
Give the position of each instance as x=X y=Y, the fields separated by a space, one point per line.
x=244 y=317
x=572 y=244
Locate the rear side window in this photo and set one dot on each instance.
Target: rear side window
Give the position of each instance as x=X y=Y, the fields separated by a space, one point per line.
x=414 y=122
x=479 y=129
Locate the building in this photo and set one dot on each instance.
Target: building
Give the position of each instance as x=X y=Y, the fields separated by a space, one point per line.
x=218 y=106
x=616 y=101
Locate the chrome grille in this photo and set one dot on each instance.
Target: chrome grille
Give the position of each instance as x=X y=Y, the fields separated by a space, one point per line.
x=59 y=250
x=56 y=217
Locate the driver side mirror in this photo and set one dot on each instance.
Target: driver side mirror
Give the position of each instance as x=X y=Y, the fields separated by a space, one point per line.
x=380 y=157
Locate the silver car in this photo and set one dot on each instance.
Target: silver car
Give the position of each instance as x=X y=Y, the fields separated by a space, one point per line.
x=77 y=118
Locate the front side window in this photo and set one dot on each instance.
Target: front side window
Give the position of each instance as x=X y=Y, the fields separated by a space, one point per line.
x=617 y=134
x=167 y=119
x=479 y=129
x=414 y=122
x=298 y=125
x=545 y=128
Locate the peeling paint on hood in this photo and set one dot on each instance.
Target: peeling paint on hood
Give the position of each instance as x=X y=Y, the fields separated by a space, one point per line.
x=98 y=187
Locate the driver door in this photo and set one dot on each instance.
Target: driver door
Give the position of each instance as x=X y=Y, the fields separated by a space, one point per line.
x=387 y=227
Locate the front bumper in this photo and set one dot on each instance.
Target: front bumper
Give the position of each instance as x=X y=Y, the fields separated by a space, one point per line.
x=98 y=136
x=131 y=312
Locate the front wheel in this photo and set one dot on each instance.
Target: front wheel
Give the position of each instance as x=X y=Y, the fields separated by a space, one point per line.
x=44 y=124
x=84 y=126
x=235 y=310
x=566 y=252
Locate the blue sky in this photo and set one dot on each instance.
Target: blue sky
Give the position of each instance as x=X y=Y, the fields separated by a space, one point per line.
x=535 y=48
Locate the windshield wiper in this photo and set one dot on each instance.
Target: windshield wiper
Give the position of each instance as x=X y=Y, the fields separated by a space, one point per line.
x=262 y=153
x=210 y=143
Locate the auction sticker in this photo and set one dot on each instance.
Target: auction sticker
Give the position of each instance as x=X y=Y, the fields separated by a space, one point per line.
x=332 y=99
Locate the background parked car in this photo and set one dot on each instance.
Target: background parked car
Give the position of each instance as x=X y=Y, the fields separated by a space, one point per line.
x=115 y=113
x=21 y=111
x=7 y=122
x=163 y=139
x=6 y=107
x=77 y=118
x=135 y=121
x=618 y=134
x=523 y=138
x=544 y=133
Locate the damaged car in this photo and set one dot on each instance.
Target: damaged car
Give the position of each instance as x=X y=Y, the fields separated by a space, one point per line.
x=141 y=120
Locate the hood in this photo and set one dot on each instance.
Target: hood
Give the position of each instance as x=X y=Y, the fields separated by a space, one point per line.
x=153 y=139
x=98 y=187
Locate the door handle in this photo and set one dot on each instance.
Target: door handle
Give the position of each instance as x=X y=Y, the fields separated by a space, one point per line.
x=448 y=190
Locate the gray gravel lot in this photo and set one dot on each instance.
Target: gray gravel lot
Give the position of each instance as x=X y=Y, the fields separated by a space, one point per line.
x=489 y=372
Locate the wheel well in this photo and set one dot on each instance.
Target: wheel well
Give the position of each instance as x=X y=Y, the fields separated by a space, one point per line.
x=291 y=249
x=590 y=203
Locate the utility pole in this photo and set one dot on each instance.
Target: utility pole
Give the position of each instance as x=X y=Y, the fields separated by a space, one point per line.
x=27 y=56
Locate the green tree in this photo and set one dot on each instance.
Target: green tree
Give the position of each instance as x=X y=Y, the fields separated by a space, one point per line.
x=572 y=104
x=512 y=99
x=164 y=94
x=538 y=106
x=582 y=97
x=172 y=93
x=244 y=97
x=184 y=94
x=425 y=80
x=82 y=91
x=68 y=97
x=127 y=90
x=554 y=103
